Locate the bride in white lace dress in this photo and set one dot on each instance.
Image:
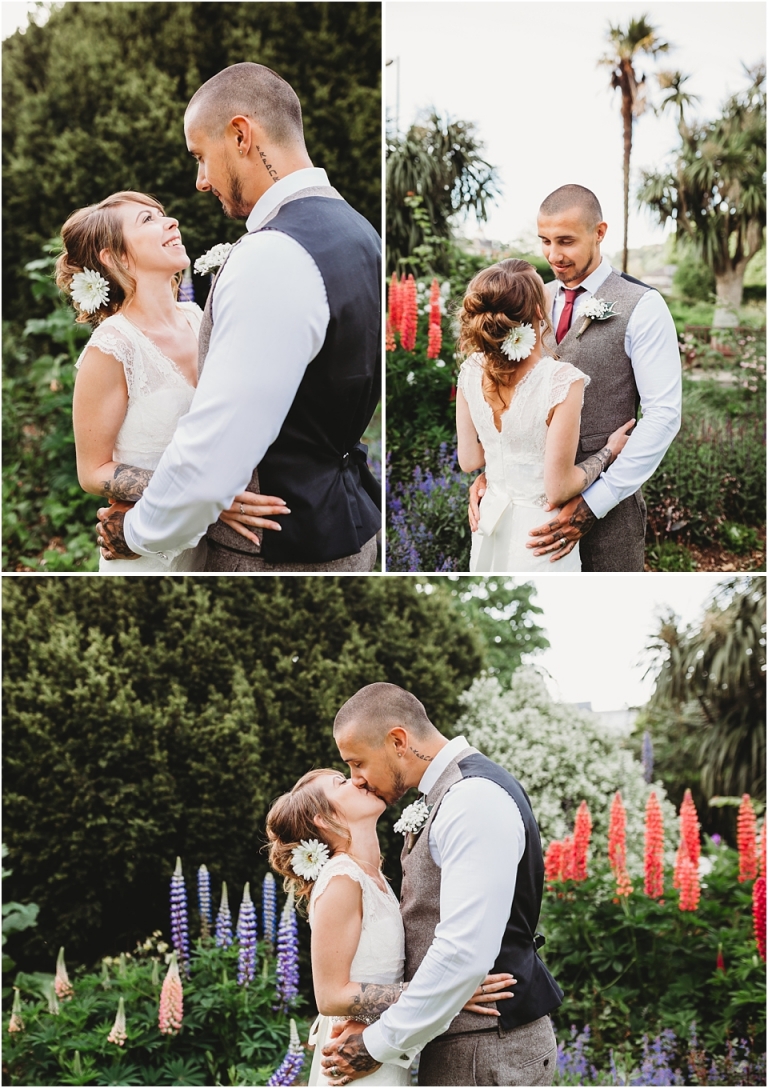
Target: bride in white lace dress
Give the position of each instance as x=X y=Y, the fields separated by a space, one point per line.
x=137 y=374
x=518 y=413
x=358 y=943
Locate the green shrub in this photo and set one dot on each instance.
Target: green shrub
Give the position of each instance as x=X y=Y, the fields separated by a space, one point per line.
x=664 y=555
x=230 y=1033
x=694 y=280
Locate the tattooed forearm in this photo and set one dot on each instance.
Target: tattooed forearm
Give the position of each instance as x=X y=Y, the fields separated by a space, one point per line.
x=353 y=1051
x=420 y=755
x=373 y=1000
x=268 y=165
x=594 y=465
x=126 y=484
x=582 y=518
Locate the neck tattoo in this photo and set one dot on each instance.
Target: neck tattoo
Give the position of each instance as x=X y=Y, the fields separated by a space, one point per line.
x=420 y=755
x=268 y=165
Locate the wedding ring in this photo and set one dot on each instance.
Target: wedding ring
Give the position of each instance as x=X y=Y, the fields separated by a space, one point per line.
x=242 y=508
x=333 y=1071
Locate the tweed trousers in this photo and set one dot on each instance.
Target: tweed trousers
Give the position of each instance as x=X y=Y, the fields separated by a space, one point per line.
x=522 y=1056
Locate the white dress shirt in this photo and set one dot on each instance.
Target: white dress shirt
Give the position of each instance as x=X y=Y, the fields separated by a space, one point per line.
x=651 y=344
x=270 y=316
x=477 y=839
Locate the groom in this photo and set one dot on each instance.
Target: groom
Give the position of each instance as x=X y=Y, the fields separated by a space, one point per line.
x=632 y=358
x=289 y=354
x=472 y=885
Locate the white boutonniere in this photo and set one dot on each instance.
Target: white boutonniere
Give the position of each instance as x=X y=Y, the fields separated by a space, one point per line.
x=412 y=820
x=213 y=259
x=596 y=309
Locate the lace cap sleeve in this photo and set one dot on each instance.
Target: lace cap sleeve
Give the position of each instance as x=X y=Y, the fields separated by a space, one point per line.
x=339 y=865
x=563 y=377
x=112 y=340
x=469 y=369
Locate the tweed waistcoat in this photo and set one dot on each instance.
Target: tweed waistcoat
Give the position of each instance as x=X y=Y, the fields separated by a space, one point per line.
x=611 y=398
x=317 y=463
x=536 y=992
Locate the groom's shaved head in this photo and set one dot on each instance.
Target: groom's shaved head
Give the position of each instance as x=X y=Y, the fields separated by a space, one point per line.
x=573 y=198
x=377 y=708
x=249 y=90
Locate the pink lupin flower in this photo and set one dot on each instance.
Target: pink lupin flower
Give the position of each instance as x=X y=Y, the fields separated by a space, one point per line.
x=171 y=1000
x=117 y=1034
x=61 y=984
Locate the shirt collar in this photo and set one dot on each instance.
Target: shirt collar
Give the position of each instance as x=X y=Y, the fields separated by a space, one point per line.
x=307 y=178
x=440 y=762
x=594 y=280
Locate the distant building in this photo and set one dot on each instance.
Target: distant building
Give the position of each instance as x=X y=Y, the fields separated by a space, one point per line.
x=619 y=723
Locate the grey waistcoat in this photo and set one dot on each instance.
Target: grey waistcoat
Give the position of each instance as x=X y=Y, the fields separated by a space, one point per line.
x=611 y=398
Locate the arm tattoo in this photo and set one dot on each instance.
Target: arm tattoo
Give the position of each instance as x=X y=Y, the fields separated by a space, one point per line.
x=112 y=531
x=268 y=165
x=373 y=1000
x=582 y=517
x=354 y=1053
x=594 y=465
x=127 y=483
x=420 y=755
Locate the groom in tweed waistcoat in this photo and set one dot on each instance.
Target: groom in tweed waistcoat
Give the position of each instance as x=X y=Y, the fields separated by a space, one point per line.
x=633 y=360
x=473 y=876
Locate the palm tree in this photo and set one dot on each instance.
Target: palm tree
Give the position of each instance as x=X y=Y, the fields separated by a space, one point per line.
x=712 y=680
x=716 y=192
x=671 y=83
x=439 y=162
x=627 y=45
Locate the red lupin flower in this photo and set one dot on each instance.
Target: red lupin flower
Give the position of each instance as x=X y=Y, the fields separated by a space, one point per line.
x=746 y=835
x=410 y=314
x=690 y=828
x=435 y=327
x=395 y=304
x=758 y=914
x=617 y=846
x=566 y=872
x=761 y=851
x=720 y=964
x=654 y=849
x=582 y=829
x=390 y=341
x=688 y=877
x=553 y=862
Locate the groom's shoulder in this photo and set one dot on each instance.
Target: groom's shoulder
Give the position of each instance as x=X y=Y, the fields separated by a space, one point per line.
x=631 y=279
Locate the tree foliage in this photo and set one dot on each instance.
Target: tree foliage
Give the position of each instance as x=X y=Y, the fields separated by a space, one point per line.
x=715 y=190
x=711 y=688
x=440 y=161
x=93 y=102
x=148 y=718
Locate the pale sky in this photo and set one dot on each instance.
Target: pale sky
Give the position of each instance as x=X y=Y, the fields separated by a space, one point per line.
x=526 y=73
x=599 y=625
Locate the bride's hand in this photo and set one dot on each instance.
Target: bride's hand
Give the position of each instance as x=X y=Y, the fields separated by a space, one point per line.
x=491 y=989
x=249 y=509
x=618 y=440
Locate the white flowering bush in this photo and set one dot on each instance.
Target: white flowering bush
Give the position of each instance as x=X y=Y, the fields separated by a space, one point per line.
x=561 y=756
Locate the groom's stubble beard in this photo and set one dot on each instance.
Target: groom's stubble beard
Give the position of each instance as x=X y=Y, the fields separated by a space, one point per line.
x=233 y=204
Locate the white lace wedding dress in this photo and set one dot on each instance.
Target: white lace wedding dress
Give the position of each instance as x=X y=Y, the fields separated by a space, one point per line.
x=379 y=958
x=158 y=396
x=514 y=467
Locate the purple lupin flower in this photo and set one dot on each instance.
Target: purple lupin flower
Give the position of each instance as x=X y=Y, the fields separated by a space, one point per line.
x=647 y=757
x=246 y=939
x=179 y=927
x=204 y=900
x=287 y=967
x=186 y=288
x=223 y=921
x=269 y=911
x=291 y=1065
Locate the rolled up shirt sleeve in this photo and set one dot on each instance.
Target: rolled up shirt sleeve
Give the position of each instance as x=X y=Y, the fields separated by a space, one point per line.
x=477 y=838
x=270 y=316
x=652 y=346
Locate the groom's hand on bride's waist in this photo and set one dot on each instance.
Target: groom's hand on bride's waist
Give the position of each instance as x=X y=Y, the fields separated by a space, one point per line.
x=345 y=1058
x=560 y=536
x=110 y=533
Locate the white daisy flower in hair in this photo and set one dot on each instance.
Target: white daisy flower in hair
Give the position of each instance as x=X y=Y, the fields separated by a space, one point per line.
x=519 y=343
x=89 y=290
x=308 y=858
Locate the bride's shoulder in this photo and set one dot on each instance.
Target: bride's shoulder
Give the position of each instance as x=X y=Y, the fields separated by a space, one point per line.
x=113 y=336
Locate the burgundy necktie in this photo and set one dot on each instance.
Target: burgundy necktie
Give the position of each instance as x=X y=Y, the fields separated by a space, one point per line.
x=566 y=316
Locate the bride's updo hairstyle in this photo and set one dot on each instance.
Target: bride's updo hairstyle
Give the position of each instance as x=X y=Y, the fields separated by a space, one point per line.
x=498 y=299
x=85 y=234
x=292 y=818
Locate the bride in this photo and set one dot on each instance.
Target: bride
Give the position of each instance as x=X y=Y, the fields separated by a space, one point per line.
x=323 y=841
x=137 y=374
x=518 y=413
